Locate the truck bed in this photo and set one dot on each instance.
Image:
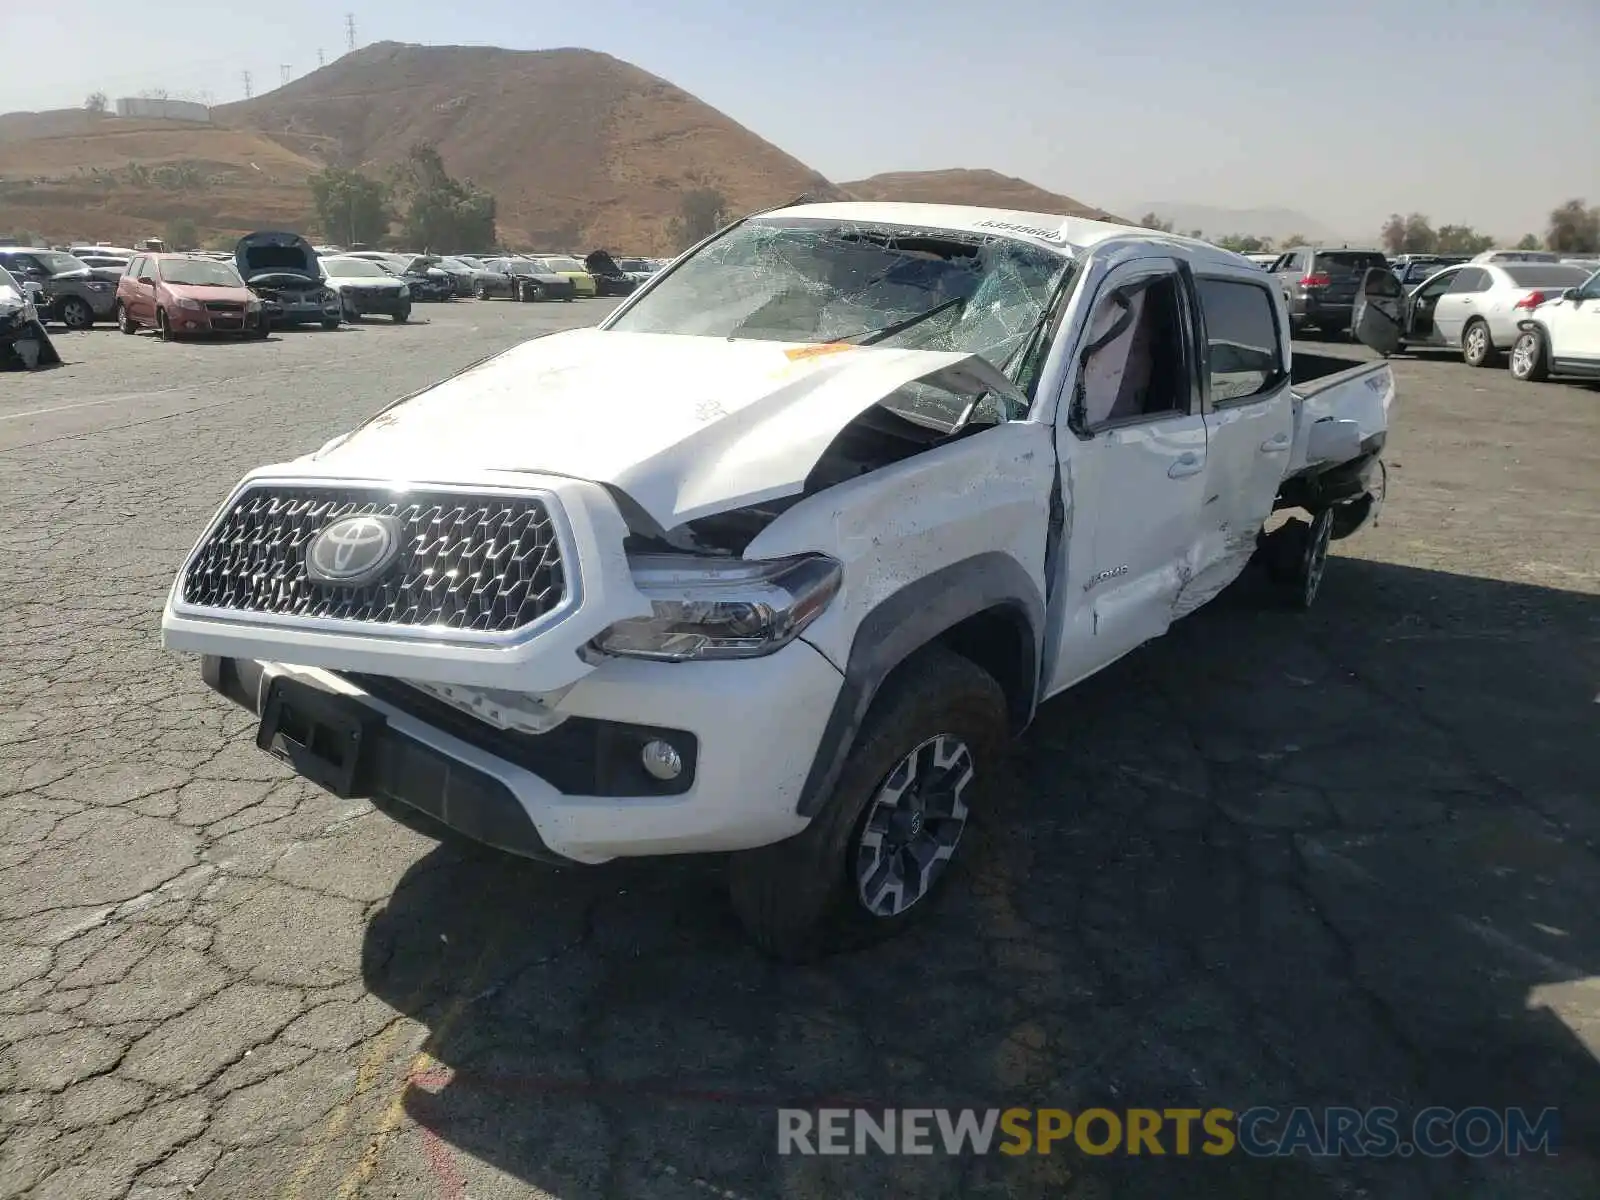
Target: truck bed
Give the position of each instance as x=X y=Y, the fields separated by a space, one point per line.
x=1329 y=388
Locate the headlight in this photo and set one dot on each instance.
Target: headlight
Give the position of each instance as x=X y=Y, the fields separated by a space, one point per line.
x=252 y=306
x=721 y=609
x=327 y=296
x=185 y=302
x=405 y=292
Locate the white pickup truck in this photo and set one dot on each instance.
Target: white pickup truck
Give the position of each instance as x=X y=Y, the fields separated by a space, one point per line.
x=777 y=558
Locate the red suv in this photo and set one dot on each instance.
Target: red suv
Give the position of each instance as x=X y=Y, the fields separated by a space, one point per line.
x=180 y=295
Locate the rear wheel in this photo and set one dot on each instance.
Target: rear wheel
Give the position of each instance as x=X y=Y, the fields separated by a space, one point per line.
x=533 y=292
x=1530 y=357
x=1477 y=347
x=880 y=847
x=480 y=291
x=125 y=321
x=330 y=325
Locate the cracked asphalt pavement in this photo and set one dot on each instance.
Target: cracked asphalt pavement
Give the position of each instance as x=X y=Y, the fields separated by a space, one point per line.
x=1343 y=858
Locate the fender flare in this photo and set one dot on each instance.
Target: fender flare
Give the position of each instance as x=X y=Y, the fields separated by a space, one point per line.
x=909 y=620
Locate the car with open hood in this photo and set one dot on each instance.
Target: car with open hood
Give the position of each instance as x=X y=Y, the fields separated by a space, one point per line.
x=185 y=295
x=69 y=290
x=23 y=339
x=778 y=558
x=284 y=271
x=366 y=288
x=610 y=279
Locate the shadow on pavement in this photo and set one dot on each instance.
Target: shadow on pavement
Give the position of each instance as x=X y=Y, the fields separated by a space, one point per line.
x=1344 y=858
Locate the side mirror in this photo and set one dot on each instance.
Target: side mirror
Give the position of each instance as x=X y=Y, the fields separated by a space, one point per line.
x=1572 y=294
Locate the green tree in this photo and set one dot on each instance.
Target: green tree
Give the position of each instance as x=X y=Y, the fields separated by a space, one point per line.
x=1409 y=235
x=1462 y=239
x=1293 y=240
x=701 y=212
x=97 y=102
x=351 y=207
x=1245 y=243
x=442 y=215
x=1530 y=241
x=181 y=233
x=1574 y=229
x=1151 y=221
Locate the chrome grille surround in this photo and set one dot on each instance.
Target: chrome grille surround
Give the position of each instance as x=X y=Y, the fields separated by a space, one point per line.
x=480 y=564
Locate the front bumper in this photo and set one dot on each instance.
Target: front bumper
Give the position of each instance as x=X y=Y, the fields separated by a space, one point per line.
x=753 y=726
x=303 y=312
x=386 y=304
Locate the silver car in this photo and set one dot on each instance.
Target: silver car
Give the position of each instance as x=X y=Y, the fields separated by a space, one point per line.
x=1478 y=305
x=68 y=289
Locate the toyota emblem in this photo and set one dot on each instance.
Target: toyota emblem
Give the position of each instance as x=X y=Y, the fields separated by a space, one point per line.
x=353 y=551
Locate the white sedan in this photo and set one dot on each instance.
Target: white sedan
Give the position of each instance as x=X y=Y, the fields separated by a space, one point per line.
x=1561 y=337
x=1478 y=306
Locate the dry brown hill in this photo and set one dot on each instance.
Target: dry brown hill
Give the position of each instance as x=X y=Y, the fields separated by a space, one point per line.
x=578 y=147
x=964 y=186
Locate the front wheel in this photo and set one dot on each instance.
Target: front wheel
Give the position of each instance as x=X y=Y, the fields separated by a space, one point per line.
x=1530 y=357
x=163 y=326
x=1477 y=347
x=401 y=317
x=330 y=325
x=76 y=314
x=125 y=321
x=882 y=844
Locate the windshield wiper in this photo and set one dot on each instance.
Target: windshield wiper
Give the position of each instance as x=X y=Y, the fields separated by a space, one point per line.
x=872 y=337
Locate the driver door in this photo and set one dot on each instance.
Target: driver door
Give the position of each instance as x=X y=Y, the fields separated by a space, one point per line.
x=1380 y=317
x=1131 y=442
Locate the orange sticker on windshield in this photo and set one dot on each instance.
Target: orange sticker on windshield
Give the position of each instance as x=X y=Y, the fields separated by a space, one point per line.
x=821 y=348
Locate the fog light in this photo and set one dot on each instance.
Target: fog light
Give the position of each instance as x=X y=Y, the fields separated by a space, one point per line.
x=661 y=760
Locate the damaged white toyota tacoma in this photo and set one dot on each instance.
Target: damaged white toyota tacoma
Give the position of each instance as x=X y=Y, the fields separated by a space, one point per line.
x=775 y=560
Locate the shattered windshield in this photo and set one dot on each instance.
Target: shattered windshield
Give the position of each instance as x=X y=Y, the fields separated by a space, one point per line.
x=810 y=280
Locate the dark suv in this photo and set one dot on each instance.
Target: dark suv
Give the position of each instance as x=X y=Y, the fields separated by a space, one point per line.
x=1320 y=284
x=69 y=292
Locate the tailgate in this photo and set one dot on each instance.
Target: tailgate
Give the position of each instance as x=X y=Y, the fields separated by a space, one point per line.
x=1344 y=273
x=1362 y=395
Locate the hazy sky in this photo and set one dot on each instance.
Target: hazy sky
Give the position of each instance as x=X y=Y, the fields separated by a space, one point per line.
x=1471 y=111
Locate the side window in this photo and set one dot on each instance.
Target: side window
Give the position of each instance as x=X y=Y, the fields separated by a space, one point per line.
x=1242 y=354
x=1136 y=368
x=1437 y=287
x=135 y=268
x=1470 y=279
x=1591 y=288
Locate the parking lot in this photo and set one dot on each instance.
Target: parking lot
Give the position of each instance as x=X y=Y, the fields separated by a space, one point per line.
x=1344 y=858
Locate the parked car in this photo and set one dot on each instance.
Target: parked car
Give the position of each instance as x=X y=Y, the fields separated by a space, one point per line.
x=609 y=278
x=283 y=270
x=1517 y=256
x=813 y=525
x=460 y=273
x=69 y=292
x=1319 y=285
x=1561 y=336
x=23 y=338
x=1412 y=269
x=1264 y=261
x=365 y=287
x=583 y=283
x=109 y=251
x=1479 y=307
x=640 y=269
x=182 y=295
x=520 y=279
x=104 y=266
x=427 y=281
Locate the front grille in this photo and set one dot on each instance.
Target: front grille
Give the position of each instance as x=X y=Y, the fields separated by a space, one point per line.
x=482 y=563
x=224 y=306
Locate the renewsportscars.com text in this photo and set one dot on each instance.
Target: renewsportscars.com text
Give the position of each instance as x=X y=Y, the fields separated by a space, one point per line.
x=1259 y=1132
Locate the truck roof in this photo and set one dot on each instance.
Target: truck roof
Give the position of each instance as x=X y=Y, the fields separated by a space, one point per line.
x=1051 y=230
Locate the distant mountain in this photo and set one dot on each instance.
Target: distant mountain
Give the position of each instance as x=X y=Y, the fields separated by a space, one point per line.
x=984 y=188
x=1275 y=223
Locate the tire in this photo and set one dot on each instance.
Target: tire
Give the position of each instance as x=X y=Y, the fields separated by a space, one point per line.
x=533 y=293
x=263 y=327
x=807 y=896
x=125 y=322
x=401 y=317
x=330 y=325
x=75 y=313
x=480 y=292
x=1299 y=558
x=163 y=327
x=1530 y=357
x=1477 y=346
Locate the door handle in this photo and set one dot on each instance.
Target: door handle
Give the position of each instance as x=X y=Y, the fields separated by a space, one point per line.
x=1189 y=463
x=1275 y=445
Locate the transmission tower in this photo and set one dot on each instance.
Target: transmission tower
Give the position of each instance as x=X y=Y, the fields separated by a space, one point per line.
x=283 y=74
x=350 y=31
x=247 y=92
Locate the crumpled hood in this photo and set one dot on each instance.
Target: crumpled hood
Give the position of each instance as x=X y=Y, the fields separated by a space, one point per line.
x=685 y=426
